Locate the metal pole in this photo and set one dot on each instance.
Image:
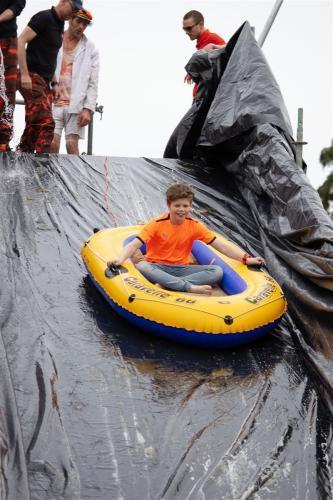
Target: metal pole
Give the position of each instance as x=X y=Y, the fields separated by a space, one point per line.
x=299 y=143
x=98 y=109
x=269 y=22
x=90 y=135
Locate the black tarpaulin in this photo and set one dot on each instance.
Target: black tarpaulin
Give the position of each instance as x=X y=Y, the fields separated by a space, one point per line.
x=92 y=408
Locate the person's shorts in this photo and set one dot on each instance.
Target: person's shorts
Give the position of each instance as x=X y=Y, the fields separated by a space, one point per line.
x=66 y=121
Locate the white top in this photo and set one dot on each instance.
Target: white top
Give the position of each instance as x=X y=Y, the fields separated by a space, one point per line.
x=85 y=72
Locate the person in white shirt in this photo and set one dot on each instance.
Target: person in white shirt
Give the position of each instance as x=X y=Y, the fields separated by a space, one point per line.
x=77 y=77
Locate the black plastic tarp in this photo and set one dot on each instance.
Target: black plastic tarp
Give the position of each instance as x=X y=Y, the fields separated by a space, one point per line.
x=90 y=407
x=239 y=124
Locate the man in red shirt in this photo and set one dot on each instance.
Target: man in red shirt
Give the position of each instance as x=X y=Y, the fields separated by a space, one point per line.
x=194 y=27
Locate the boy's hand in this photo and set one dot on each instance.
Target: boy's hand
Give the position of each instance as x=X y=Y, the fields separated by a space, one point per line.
x=113 y=263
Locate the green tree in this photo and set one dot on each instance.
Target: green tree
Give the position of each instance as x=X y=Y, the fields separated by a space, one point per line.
x=326 y=190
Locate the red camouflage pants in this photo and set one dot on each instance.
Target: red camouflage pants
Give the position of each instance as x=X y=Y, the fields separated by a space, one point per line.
x=8 y=48
x=39 y=123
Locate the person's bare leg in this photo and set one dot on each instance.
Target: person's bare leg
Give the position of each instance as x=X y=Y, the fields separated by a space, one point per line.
x=55 y=144
x=72 y=144
x=205 y=289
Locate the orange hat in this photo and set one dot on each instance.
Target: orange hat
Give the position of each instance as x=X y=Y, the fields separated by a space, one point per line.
x=84 y=14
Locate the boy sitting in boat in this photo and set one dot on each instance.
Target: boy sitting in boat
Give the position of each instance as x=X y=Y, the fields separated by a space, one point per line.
x=169 y=239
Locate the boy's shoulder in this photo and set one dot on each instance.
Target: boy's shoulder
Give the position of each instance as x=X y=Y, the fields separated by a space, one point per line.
x=161 y=218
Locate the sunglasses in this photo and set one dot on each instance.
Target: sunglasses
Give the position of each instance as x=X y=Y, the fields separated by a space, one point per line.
x=189 y=28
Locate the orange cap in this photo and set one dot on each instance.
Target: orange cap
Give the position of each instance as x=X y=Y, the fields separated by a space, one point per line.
x=84 y=14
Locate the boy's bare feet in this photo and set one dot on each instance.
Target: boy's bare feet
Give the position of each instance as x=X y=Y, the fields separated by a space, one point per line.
x=205 y=289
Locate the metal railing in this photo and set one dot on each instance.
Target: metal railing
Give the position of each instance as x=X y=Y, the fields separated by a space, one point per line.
x=299 y=143
x=98 y=109
x=269 y=22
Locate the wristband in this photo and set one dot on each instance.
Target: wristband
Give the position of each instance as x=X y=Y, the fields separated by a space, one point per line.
x=245 y=257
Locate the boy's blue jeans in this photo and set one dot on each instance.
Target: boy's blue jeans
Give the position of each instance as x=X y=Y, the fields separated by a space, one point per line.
x=179 y=277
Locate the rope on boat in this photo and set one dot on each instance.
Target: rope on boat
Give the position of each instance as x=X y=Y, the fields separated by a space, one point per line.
x=107 y=191
x=129 y=295
x=227 y=319
x=209 y=313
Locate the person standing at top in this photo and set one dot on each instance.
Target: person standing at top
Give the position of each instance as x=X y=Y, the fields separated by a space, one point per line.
x=77 y=73
x=9 y=10
x=37 y=64
x=194 y=27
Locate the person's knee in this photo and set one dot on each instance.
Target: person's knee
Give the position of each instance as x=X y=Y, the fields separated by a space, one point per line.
x=147 y=269
x=72 y=144
x=55 y=144
x=143 y=266
x=217 y=271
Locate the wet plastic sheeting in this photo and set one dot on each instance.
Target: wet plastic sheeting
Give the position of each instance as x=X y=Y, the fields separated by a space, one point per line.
x=90 y=408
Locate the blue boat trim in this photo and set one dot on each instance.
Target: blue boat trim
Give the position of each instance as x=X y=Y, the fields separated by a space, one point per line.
x=200 y=339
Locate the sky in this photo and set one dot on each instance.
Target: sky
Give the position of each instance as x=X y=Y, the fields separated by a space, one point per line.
x=143 y=51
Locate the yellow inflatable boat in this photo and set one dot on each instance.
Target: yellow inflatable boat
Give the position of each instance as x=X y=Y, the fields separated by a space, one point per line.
x=248 y=304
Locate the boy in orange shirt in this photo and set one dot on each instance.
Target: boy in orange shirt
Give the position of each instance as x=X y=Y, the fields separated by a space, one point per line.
x=169 y=239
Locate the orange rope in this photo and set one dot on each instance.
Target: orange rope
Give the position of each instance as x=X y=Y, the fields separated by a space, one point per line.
x=106 y=194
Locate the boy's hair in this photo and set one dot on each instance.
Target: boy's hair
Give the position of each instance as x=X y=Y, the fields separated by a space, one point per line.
x=179 y=190
x=196 y=16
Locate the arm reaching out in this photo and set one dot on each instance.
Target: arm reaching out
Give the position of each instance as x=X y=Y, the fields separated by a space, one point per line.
x=12 y=11
x=25 y=37
x=236 y=253
x=6 y=15
x=211 y=46
x=127 y=252
x=188 y=79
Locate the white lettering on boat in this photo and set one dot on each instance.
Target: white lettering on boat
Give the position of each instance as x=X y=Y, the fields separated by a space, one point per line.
x=135 y=283
x=267 y=291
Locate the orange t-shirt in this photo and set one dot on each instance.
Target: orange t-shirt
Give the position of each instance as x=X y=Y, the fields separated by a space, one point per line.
x=169 y=243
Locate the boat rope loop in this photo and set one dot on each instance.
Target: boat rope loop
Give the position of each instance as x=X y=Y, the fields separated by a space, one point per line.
x=227 y=319
x=130 y=296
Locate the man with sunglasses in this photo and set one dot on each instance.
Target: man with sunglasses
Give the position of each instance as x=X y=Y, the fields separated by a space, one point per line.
x=194 y=27
x=38 y=47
